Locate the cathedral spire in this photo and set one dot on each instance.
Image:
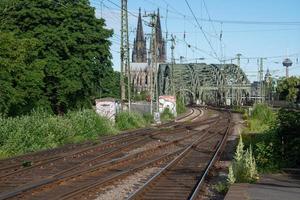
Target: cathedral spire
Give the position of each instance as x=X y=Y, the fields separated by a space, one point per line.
x=139 y=53
x=160 y=40
x=139 y=30
x=158 y=28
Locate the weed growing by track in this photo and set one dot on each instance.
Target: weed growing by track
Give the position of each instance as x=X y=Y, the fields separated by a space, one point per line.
x=127 y=121
x=261 y=134
x=166 y=115
x=180 y=105
x=243 y=168
x=262 y=117
x=41 y=130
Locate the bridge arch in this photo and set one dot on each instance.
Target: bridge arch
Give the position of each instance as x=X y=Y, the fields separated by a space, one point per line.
x=211 y=84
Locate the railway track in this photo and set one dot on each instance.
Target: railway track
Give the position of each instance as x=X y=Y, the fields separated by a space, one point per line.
x=11 y=166
x=35 y=157
x=34 y=176
x=184 y=176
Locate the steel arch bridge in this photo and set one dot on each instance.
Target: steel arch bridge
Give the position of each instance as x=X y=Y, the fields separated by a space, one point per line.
x=221 y=84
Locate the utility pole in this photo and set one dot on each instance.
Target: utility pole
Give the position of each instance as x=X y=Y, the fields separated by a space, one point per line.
x=153 y=70
x=261 y=78
x=125 y=59
x=173 y=62
x=238 y=90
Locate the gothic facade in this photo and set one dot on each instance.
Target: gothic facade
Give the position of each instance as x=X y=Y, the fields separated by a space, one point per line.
x=140 y=70
x=139 y=52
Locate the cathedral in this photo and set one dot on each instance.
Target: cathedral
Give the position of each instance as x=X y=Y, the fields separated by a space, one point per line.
x=140 y=70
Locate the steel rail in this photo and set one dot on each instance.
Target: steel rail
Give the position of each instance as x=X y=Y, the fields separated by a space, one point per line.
x=134 y=138
x=173 y=163
x=163 y=170
x=61 y=175
x=200 y=183
x=60 y=152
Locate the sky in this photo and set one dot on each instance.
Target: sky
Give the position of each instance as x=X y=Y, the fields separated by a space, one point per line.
x=216 y=30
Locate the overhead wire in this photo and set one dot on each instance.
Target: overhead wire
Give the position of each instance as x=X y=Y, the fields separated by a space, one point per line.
x=200 y=27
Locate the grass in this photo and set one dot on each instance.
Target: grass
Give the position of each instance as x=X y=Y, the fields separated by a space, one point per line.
x=180 y=105
x=166 y=115
x=221 y=187
x=262 y=124
x=127 y=121
x=41 y=130
x=262 y=117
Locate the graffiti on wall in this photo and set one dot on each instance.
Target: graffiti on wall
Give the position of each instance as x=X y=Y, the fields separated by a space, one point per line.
x=167 y=102
x=106 y=108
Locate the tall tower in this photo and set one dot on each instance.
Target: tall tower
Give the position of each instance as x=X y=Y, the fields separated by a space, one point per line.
x=160 y=42
x=139 y=52
x=287 y=63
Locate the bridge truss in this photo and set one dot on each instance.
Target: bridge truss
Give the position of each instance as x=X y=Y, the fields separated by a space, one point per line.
x=219 y=84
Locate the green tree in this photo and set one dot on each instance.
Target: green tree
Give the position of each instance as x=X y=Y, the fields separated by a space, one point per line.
x=21 y=77
x=60 y=48
x=288 y=88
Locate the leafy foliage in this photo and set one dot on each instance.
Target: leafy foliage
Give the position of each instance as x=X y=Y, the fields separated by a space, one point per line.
x=288 y=89
x=243 y=168
x=41 y=130
x=278 y=145
x=289 y=126
x=129 y=120
x=180 y=106
x=53 y=54
x=142 y=96
x=263 y=113
x=21 y=75
x=166 y=115
x=262 y=117
x=221 y=188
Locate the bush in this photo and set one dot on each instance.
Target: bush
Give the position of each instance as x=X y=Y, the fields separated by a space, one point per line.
x=289 y=126
x=166 y=115
x=148 y=118
x=127 y=121
x=261 y=119
x=239 y=109
x=41 y=130
x=277 y=143
x=180 y=106
x=256 y=126
x=263 y=113
x=88 y=124
x=221 y=188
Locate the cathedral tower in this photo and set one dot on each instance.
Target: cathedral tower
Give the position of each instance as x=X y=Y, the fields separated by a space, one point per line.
x=160 y=41
x=139 y=52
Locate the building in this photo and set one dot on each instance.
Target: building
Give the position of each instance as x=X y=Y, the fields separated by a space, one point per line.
x=160 y=41
x=139 y=51
x=263 y=91
x=140 y=69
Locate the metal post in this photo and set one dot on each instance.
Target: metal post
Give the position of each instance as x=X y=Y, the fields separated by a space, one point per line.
x=153 y=70
x=261 y=76
x=125 y=59
x=122 y=84
x=172 y=62
x=128 y=60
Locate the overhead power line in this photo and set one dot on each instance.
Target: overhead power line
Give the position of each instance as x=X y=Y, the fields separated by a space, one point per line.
x=200 y=27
